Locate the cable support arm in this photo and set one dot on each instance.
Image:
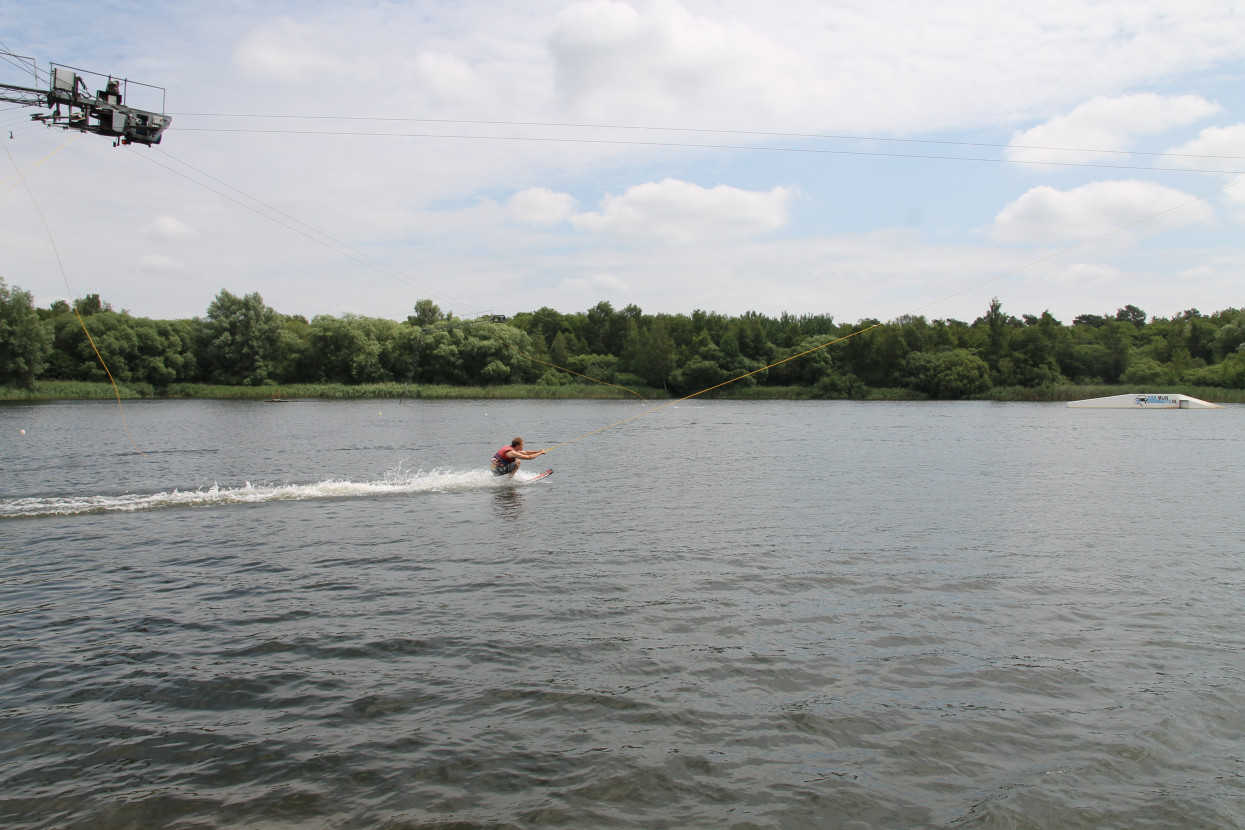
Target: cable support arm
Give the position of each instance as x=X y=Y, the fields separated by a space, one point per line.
x=25 y=96
x=74 y=108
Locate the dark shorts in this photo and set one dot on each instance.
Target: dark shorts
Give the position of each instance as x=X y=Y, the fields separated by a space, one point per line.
x=506 y=469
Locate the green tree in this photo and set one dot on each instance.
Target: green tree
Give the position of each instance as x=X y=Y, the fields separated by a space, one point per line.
x=495 y=372
x=602 y=367
x=696 y=375
x=559 y=351
x=808 y=369
x=838 y=386
x=1131 y=314
x=598 y=326
x=1199 y=335
x=426 y=313
x=343 y=350
x=55 y=309
x=1092 y=320
x=1230 y=338
x=163 y=351
x=649 y=353
x=242 y=340
x=1086 y=363
x=998 y=332
x=294 y=347
x=23 y=340
x=1145 y=371
x=1229 y=374
x=112 y=339
x=856 y=354
x=1030 y=360
x=1117 y=339
x=542 y=324
x=711 y=365
x=749 y=332
x=466 y=353
x=489 y=358
x=947 y=375
x=439 y=357
x=91 y=304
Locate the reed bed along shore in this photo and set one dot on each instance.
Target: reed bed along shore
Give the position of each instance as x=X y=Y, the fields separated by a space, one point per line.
x=82 y=390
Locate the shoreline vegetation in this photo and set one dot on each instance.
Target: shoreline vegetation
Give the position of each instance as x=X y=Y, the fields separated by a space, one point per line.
x=244 y=349
x=61 y=390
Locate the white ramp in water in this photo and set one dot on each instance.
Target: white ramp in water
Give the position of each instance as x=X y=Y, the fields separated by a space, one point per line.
x=1144 y=400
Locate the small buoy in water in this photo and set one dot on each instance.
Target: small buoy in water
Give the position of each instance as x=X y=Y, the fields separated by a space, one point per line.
x=23 y=432
x=380 y=413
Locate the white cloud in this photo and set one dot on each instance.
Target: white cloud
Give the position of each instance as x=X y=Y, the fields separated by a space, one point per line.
x=1084 y=274
x=678 y=211
x=595 y=286
x=541 y=206
x=291 y=50
x=1218 y=148
x=1106 y=124
x=871 y=65
x=958 y=69
x=161 y=263
x=860 y=65
x=1198 y=273
x=1226 y=146
x=1045 y=214
x=448 y=78
x=611 y=56
x=167 y=227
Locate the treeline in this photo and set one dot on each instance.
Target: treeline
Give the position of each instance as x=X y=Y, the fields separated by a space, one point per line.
x=242 y=341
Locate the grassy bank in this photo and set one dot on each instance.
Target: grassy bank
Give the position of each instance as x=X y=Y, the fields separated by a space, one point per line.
x=805 y=393
x=73 y=390
x=78 y=390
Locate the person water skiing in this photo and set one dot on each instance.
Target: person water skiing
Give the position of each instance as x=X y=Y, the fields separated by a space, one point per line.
x=506 y=460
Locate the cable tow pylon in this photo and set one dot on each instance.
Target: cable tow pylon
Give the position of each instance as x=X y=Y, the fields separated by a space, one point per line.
x=73 y=107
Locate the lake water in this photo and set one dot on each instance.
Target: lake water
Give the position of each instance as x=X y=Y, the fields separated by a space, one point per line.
x=719 y=614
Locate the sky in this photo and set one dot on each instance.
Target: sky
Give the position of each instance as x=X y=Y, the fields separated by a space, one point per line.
x=856 y=158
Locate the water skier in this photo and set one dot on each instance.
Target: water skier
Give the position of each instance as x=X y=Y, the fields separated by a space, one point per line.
x=506 y=460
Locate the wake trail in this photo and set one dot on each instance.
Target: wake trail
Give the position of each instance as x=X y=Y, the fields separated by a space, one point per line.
x=435 y=481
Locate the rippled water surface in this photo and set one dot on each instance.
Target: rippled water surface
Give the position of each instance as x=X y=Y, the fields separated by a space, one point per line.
x=739 y=615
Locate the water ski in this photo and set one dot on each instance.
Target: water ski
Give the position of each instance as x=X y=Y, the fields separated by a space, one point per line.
x=539 y=476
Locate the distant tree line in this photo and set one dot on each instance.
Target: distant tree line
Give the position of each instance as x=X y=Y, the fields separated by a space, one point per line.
x=242 y=341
